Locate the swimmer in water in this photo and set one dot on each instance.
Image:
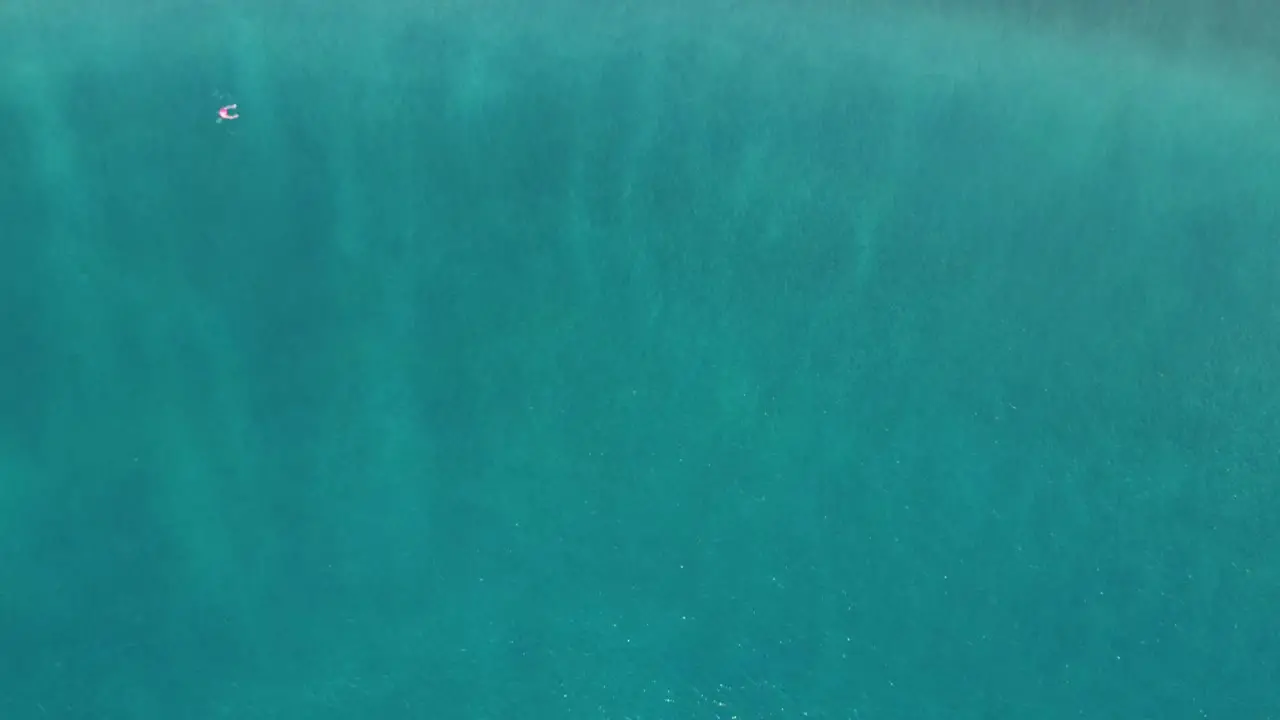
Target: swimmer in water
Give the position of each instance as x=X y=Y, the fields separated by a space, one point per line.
x=227 y=112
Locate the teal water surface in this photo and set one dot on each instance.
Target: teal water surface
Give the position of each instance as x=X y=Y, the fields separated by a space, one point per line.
x=546 y=362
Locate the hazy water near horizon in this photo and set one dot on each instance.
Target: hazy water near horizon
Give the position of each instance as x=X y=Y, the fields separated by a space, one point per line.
x=632 y=362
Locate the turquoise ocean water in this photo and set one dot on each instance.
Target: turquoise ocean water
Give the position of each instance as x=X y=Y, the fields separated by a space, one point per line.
x=554 y=361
